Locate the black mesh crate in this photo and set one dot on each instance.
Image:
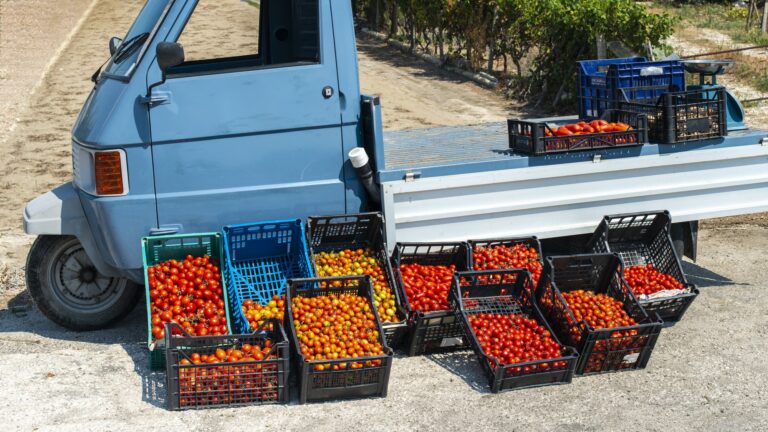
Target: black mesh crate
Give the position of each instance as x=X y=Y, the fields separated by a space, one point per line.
x=436 y=331
x=683 y=116
x=600 y=350
x=530 y=242
x=644 y=238
x=536 y=139
x=507 y=292
x=359 y=231
x=338 y=379
x=226 y=384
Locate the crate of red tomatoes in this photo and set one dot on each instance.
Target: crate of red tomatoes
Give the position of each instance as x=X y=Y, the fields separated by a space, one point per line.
x=340 y=350
x=616 y=129
x=513 y=253
x=184 y=284
x=227 y=371
x=423 y=274
x=652 y=267
x=513 y=342
x=354 y=245
x=260 y=258
x=590 y=307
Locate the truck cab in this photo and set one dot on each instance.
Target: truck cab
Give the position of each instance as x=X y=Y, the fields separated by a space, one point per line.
x=253 y=127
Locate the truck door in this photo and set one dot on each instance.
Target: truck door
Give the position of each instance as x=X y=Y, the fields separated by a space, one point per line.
x=248 y=128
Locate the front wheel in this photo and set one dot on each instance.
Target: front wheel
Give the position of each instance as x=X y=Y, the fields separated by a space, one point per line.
x=70 y=291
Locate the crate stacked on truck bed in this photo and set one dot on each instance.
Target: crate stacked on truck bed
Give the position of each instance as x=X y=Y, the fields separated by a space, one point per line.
x=615 y=129
x=683 y=116
x=183 y=284
x=423 y=274
x=352 y=245
x=339 y=345
x=226 y=371
x=260 y=258
x=601 y=82
x=513 y=342
x=589 y=306
x=652 y=267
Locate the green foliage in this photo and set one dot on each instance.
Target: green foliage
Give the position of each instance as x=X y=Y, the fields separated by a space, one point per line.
x=547 y=36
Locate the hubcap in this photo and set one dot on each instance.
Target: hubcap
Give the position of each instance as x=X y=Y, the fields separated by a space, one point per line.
x=77 y=282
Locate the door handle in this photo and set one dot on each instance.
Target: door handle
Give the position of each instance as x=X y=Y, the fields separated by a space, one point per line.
x=157 y=98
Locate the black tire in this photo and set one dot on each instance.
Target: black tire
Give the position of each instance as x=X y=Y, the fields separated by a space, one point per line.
x=78 y=299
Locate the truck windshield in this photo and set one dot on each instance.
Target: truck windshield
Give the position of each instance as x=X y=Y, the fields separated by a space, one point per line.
x=135 y=42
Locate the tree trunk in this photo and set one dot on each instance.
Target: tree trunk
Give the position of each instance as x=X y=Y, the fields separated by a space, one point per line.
x=377 y=15
x=764 y=27
x=393 y=19
x=751 y=13
x=411 y=26
x=492 y=41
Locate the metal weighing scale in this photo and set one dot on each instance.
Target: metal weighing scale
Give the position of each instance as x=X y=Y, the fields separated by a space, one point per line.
x=708 y=71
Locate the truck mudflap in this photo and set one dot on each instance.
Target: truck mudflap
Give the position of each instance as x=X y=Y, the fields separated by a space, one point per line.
x=59 y=212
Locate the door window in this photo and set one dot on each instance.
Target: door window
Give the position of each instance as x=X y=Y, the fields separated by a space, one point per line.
x=226 y=34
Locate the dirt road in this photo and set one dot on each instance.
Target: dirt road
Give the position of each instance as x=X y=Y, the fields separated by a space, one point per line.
x=707 y=373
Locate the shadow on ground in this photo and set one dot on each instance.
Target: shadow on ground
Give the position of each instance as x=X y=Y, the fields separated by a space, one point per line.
x=704 y=278
x=383 y=53
x=130 y=333
x=464 y=365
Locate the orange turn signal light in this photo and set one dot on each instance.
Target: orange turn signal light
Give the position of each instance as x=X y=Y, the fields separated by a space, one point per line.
x=109 y=173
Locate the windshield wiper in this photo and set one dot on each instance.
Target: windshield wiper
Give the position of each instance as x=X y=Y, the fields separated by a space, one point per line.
x=129 y=46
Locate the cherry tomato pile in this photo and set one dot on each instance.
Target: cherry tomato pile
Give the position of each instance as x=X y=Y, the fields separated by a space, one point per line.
x=224 y=384
x=600 y=311
x=336 y=327
x=513 y=339
x=427 y=286
x=189 y=293
x=509 y=257
x=361 y=262
x=257 y=313
x=646 y=280
x=584 y=128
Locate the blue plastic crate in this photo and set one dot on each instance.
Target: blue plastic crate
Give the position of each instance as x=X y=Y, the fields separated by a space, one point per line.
x=605 y=83
x=261 y=257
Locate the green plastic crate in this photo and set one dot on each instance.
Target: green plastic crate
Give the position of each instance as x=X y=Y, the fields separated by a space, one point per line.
x=163 y=248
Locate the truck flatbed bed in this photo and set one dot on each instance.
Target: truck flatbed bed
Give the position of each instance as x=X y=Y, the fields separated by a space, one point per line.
x=458 y=183
x=466 y=149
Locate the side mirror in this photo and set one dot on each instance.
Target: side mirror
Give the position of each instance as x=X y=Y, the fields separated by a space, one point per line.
x=169 y=54
x=114 y=44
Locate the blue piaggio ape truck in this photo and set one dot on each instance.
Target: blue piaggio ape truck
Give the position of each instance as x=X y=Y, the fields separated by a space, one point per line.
x=164 y=146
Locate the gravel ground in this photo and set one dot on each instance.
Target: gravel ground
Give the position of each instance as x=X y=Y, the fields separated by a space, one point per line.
x=707 y=372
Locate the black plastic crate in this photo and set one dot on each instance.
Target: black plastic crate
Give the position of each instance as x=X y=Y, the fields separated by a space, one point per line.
x=600 y=350
x=346 y=382
x=530 y=242
x=536 y=139
x=644 y=238
x=437 y=331
x=199 y=386
x=359 y=231
x=683 y=116
x=508 y=292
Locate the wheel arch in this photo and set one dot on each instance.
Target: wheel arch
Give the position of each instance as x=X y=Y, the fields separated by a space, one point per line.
x=60 y=213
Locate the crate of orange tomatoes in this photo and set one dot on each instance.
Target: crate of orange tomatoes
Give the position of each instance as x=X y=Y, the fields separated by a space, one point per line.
x=260 y=258
x=513 y=253
x=354 y=245
x=615 y=129
x=227 y=371
x=184 y=284
x=652 y=267
x=513 y=342
x=423 y=274
x=590 y=307
x=339 y=345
